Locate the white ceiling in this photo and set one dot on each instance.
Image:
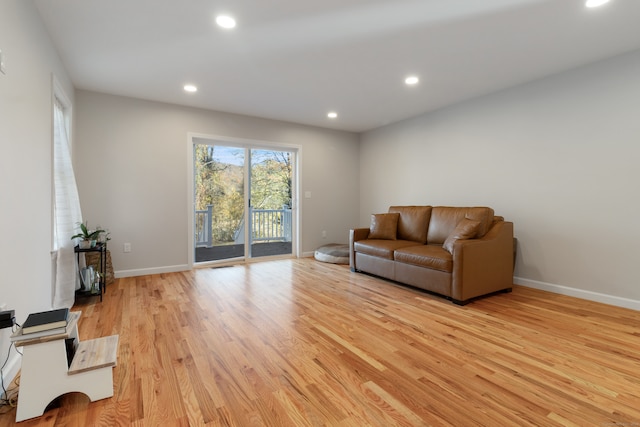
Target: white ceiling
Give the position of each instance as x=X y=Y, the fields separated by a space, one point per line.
x=295 y=60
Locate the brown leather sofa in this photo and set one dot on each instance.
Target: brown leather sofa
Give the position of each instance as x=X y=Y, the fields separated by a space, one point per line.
x=459 y=252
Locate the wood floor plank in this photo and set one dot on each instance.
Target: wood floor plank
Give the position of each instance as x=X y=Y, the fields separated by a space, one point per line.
x=303 y=343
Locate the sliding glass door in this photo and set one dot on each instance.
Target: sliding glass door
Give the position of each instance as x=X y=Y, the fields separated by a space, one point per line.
x=243 y=199
x=219 y=202
x=270 y=201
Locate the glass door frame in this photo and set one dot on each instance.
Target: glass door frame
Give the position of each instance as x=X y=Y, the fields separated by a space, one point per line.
x=296 y=150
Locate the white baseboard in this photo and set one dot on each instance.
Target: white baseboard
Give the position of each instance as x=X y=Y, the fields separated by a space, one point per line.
x=308 y=254
x=579 y=293
x=145 y=271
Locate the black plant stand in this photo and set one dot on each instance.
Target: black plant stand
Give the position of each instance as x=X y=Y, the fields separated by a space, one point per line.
x=102 y=249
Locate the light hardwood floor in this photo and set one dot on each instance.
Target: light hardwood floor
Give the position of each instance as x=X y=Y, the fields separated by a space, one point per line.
x=302 y=343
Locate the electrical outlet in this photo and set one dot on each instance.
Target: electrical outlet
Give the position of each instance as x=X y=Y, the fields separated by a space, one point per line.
x=324 y=234
x=3 y=70
x=127 y=247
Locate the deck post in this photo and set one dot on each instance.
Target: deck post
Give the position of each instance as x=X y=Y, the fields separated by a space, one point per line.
x=209 y=226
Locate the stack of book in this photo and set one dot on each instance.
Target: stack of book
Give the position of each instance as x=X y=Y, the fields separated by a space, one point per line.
x=43 y=324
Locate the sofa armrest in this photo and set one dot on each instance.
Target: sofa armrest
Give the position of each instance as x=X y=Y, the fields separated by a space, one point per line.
x=485 y=265
x=355 y=235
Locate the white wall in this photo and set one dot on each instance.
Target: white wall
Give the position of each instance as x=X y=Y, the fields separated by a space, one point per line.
x=559 y=157
x=25 y=164
x=131 y=162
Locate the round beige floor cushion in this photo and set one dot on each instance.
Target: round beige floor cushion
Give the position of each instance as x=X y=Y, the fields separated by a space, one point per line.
x=335 y=253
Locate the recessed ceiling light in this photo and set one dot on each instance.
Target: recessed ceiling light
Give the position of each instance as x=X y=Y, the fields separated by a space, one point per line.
x=190 y=88
x=332 y=115
x=411 y=80
x=595 y=3
x=225 y=21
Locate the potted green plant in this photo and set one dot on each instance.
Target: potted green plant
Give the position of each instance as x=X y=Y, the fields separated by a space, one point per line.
x=88 y=237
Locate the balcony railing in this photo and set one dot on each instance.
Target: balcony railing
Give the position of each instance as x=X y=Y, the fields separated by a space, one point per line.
x=202 y=224
x=267 y=225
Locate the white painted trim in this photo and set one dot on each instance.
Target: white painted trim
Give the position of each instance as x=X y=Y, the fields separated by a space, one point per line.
x=191 y=200
x=308 y=254
x=296 y=185
x=154 y=270
x=59 y=93
x=579 y=293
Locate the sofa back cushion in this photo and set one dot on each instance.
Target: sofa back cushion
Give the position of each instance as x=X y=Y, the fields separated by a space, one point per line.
x=445 y=218
x=413 y=222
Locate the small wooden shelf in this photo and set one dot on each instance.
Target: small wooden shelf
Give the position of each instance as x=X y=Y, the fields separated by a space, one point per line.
x=95 y=354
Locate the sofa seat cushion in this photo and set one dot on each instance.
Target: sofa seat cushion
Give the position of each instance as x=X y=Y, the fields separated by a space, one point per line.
x=430 y=256
x=381 y=248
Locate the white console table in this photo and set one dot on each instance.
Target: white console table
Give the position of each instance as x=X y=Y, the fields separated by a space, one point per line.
x=46 y=373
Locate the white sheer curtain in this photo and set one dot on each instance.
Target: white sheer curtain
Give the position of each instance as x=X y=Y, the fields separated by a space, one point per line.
x=67 y=213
